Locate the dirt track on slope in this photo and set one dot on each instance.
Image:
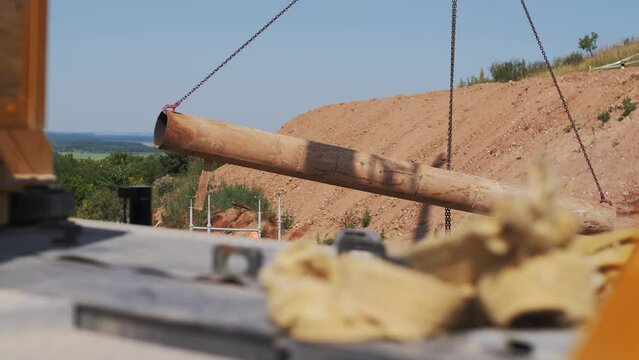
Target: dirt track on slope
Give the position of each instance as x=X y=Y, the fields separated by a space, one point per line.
x=498 y=130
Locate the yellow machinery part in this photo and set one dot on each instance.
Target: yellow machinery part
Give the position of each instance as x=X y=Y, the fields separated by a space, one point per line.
x=614 y=333
x=25 y=153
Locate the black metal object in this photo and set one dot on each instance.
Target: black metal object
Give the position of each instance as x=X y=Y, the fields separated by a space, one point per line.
x=138 y=203
x=352 y=239
x=219 y=339
x=40 y=205
x=222 y=255
x=519 y=347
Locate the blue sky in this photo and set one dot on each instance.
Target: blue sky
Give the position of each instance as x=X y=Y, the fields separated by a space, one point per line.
x=113 y=64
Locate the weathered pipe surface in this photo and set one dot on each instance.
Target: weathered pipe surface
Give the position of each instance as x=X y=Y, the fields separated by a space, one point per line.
x=286 y=155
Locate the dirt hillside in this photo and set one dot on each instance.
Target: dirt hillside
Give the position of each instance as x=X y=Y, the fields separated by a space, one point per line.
x=499 y=127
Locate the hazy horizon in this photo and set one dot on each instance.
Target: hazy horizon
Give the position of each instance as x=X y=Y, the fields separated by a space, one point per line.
x=138 y=133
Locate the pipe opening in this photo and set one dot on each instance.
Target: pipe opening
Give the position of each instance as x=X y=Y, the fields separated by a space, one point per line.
x=160 y=129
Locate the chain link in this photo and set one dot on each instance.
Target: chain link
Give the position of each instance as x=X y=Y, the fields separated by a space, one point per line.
x=453 y=33
x=219 y=67
x=565 y=105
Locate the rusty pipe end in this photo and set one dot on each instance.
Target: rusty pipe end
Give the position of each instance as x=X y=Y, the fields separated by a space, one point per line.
x=160 y=129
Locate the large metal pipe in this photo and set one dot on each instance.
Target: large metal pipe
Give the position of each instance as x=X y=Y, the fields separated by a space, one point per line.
x=286 y=155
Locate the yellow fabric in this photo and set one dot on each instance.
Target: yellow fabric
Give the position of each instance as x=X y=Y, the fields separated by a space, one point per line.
x=608 y=251
x=519 y=258
x=589 y=244
x=318 y=297
x=560 y=282
x=516 y=229
x=523 y=261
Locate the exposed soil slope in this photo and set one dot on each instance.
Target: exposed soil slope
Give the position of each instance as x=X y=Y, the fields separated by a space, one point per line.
x=498 y=130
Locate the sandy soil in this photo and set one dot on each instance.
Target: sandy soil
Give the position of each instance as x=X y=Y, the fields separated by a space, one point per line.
x=498 y=130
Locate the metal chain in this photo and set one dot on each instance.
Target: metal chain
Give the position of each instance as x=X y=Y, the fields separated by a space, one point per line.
x=449 y=158
x=602 y=195
x=207 y=77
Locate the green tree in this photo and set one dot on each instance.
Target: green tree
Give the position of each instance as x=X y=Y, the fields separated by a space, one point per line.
x=482 y=76
x=366 y=218
x=287 y=220
x=588 y=43
x=536 y=67
x=147 y=169
x=75 y=176
x=174 y=164
x=515 y=69
x=175 y=203
x=575 y=58
x=101 y=204
x=86 y=178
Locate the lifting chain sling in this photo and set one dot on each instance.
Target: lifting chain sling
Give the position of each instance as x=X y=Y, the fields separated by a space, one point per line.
x=573 y=125
x=447 y=211
x=174 y=106
x=449 y=157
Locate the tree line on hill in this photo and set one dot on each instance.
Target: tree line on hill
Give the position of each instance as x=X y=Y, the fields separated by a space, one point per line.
x=95 y=183
x=517 y=69
x=174 y=179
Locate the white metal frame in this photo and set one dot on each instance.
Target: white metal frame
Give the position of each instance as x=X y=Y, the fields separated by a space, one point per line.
x=208 y=228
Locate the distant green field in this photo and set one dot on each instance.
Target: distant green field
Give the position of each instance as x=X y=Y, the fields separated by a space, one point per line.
x=96 y=147
x=97 y=144
x=86 y=156
x=81 y=155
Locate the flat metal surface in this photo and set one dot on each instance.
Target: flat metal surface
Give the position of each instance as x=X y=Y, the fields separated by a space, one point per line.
x=180 y=253
x=233 y=319
x=480 y=344
x=145 y=284
x=38 y=240
x=35 y=327
x=140 y=293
